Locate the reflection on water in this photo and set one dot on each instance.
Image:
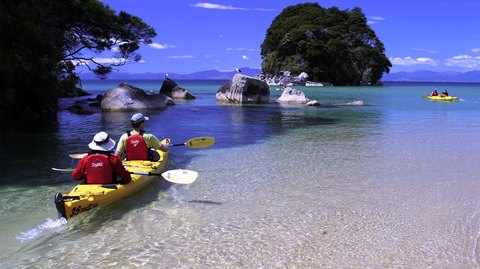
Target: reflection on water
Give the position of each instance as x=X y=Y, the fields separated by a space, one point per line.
x=389 y=184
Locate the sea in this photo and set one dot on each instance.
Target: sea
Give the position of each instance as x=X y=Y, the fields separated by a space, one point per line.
x=374 y=177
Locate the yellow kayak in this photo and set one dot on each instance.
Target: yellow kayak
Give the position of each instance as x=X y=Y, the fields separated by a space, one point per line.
x=87 y=196
x=443 y=98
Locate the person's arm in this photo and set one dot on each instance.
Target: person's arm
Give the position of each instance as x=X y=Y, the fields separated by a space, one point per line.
x=152 y=141
x=120 y=169
x=121 y=146
x=164 y=147
x=79 y=172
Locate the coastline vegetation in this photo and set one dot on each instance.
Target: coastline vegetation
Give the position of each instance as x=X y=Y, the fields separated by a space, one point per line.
x=330 y=45
x=44 y=42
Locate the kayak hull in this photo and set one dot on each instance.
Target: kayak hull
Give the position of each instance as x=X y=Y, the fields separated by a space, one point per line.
x=85 y=197
x=443 y=98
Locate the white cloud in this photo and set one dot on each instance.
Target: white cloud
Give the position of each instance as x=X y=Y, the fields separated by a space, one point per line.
x=245 y=57
x=223 y=7
x=407 y=61
x=374 y=19
x=160 y=46
x=181 y=57
x=464 y=61
x=108 y=60
x=216 y=6
x=424 y=60
x=104 y=61
x=476 y=50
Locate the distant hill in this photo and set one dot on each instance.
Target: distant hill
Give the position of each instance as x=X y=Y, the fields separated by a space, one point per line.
x=206 y=75
x=430 y=76
x=415 y=76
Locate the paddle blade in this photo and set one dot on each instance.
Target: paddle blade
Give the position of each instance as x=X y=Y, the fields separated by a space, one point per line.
x=66 y=170
x=200 y=142
x=77 y=155
x=180 y=176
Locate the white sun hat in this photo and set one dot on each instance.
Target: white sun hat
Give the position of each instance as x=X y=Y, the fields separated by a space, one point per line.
x=102 y=142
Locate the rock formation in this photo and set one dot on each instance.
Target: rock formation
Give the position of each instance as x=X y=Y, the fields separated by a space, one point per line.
x=294 y=96
x=244 y=90
x=172 y=90
x=129 y=98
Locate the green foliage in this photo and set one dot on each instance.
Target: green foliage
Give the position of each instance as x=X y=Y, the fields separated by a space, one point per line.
x=44 y=41
x=328 y=44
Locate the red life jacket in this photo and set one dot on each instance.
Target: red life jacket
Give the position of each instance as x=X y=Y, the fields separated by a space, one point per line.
x=99 y=169
x=136 y=147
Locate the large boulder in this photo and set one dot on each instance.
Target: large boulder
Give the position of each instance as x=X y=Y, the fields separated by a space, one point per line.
x=129 y=98
x=244 y=90
x=292 y=96
x=172 y=90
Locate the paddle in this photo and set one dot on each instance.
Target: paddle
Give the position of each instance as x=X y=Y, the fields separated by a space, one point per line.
x=196 y=142
x=178 y=176
x=66 y=170
x=77 y=155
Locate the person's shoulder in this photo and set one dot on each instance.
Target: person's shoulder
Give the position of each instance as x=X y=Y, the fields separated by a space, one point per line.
x=149 y=135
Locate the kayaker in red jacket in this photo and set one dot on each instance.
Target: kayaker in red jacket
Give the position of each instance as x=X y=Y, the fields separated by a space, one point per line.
x=137 y=143
x=100 y=166
x=434 y=93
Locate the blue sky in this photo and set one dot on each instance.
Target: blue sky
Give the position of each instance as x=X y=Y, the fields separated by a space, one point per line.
x=436 y=35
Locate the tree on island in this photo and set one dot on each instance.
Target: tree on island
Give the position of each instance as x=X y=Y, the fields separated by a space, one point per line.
x=328 y=44
x=43 y=44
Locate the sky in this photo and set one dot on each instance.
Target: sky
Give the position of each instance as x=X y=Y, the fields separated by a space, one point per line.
x=192 y=36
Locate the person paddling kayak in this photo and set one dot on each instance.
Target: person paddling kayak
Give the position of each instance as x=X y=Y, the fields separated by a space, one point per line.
x=99 y=166
x=136 y=144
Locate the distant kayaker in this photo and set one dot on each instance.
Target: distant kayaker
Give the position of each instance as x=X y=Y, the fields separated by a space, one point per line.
x=434 y=93
x=136 y=144
x=100 y=166
x=445 y=93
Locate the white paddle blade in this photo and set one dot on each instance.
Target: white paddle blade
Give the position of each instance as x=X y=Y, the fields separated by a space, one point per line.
x=180 y=176
x=66 y=170
x=77 y=155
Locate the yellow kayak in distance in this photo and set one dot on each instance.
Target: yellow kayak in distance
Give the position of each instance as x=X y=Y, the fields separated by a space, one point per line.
x=443 y=98
x=88 y=196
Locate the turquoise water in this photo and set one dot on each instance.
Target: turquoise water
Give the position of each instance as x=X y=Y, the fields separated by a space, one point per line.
x=392 y=183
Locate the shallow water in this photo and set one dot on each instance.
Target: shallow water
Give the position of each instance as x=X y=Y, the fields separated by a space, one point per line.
x=390 y=184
